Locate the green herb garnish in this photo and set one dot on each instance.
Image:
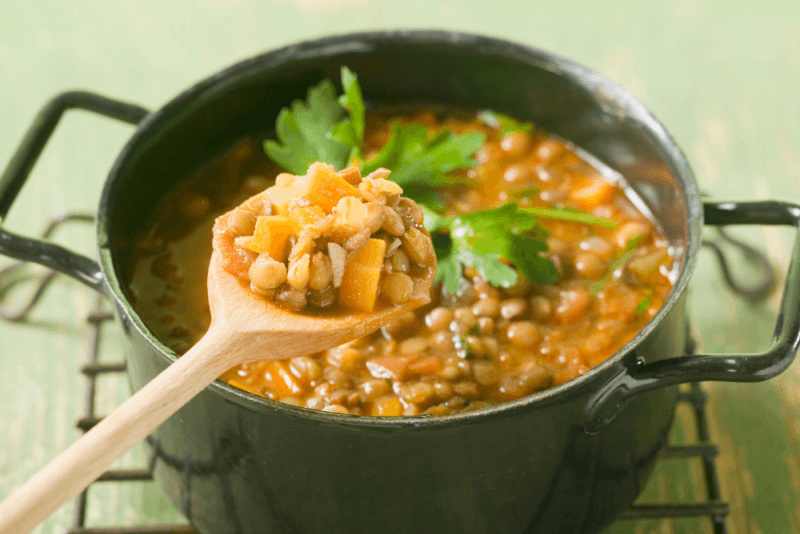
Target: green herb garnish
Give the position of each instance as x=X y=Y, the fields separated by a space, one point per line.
x=623 y=258
x=350 y=131
x=304 y=132
x=460 y=344
x=483 y=239
x=417 y=160
x=331 y=130
x=626 y=256
x=569 y=215
x=645 y=303
x=504 y=123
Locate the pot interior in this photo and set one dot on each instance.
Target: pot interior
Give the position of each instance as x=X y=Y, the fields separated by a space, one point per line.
x=402 y=68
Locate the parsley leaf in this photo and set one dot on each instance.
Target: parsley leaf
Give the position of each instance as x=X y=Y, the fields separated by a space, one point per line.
x=448 y=265
x=524 y=253
x=485 y=240
x=350 y=131
x=318 y=130
x=416 y=159
x=303 y=132
x=504 y=123
x=433 y=220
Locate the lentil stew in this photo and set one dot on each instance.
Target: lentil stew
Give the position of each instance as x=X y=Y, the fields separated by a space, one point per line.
x=321 y=241
x=481 y=345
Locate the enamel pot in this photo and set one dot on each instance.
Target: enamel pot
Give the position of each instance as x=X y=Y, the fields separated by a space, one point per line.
x=568 y=459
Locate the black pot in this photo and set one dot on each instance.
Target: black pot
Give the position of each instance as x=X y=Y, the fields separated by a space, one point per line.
x=568 y=459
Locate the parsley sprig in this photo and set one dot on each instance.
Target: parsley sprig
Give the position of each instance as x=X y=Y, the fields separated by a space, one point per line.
x=350 y=131
x=304 y=132
x=331 y=130
x=419 y=160
x=486 y=240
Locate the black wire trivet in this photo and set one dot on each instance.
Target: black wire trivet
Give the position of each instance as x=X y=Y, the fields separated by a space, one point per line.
x=712 y=507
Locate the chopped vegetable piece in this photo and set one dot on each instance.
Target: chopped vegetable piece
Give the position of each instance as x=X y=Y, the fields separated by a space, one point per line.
x=361 y=277
x=426 y=366
x=624 y=258
x=387 y=407
x=393 y=367
x=323 y=187
x=593 y=193
x=280 y=379
x=272 y=236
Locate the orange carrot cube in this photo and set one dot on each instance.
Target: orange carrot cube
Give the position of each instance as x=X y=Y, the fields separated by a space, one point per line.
x=426 y=366
x=272 y=235
x=362 y=274
x=323 y=187
x=280 y=379
x=387 y=406
x=592 y=193
x=394 y=367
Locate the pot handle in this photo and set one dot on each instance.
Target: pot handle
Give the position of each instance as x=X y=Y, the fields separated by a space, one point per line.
x=637 y=377
x=19 y=167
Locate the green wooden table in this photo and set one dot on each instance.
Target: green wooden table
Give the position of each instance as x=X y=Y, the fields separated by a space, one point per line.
x=721 y=74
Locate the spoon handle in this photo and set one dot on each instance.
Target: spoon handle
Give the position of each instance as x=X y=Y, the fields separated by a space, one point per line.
x=92 y=454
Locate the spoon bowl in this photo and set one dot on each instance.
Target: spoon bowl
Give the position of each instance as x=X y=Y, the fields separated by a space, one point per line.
x=264 y=330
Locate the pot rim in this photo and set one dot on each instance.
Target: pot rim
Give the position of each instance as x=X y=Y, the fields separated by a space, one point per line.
x=635 y=113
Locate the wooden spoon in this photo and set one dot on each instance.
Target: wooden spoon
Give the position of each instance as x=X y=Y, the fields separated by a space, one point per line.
x=244 y=328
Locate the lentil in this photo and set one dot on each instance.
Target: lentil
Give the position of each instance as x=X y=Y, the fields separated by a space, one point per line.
x=439 y=318
x=487 y=307
x=397 y=287
x=513 y=308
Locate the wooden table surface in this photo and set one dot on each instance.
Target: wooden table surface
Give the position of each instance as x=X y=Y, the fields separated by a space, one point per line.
x=723 y=75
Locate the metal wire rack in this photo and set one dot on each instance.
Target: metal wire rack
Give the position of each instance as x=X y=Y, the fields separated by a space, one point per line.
x=711 y=507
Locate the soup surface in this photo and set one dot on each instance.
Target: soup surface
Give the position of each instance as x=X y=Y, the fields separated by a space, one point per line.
x=481 y=346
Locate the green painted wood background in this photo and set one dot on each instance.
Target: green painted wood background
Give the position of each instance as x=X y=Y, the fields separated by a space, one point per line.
x=723 y=75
